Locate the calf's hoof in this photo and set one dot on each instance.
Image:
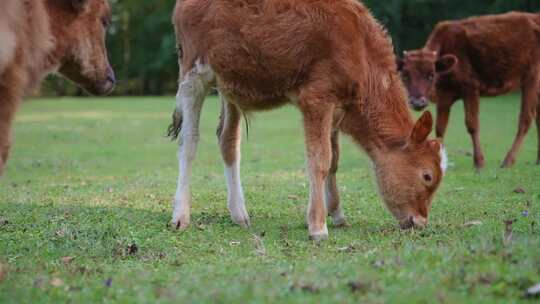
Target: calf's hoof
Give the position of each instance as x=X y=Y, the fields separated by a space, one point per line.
x=239 y=215
x=341 y=223
x=180 y=223
x=507 y=163
x=180 y=226
x=243 y=222
x=479 y=164
x=538 y=162
x=318 y=235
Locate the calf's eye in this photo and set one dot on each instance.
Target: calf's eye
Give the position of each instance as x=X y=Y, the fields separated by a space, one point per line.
x=428 y=178
x=105 y=22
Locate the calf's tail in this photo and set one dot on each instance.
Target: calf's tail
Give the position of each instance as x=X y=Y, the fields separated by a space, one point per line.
x=176 y=126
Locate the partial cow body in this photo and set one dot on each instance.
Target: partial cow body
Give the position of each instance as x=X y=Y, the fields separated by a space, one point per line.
x=330 y=59
x=482 y=56
x=43 y=36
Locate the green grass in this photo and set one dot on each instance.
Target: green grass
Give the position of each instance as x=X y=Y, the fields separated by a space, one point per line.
x=90 y=177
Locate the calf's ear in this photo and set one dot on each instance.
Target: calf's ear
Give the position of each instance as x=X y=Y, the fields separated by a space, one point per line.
x=422 y=128
x=445 y=64
x=78 y=5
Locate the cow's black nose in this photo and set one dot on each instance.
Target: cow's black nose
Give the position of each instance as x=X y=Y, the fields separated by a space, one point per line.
x=418 y=103
x=110 y=75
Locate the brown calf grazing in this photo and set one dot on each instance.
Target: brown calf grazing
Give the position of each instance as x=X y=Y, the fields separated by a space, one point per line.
x=335 y=63
x=42 y=36
x=483 y=56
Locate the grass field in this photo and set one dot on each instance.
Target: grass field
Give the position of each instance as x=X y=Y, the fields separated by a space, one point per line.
x=86 y=198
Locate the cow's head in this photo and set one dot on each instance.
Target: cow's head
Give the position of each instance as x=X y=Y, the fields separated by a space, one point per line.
x=420 y=70
x=409 y=176
x=79 y=29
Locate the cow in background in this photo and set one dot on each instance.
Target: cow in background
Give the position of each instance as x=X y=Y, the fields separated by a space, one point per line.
x=476 y=57
x=42 y=36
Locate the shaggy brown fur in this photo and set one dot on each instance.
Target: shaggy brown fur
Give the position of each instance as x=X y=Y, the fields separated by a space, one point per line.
x=483 y=56
x=333 y=61
x=41 y=36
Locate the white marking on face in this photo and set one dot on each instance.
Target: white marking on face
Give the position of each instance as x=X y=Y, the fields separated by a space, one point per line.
x=444 y=159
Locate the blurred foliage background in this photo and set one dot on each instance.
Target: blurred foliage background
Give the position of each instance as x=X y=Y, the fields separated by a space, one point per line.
x=142 y=44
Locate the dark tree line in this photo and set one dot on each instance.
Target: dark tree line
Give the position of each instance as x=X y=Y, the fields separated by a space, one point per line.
x=142 y=44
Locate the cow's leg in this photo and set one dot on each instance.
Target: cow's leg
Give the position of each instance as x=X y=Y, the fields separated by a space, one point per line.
x=229 y=135
x=538 y=128
x=332 y=194
x=9 y=103
x=527 y=114
x=318 y=117
x=190 y=98
x=472 y=108
x=443 y=114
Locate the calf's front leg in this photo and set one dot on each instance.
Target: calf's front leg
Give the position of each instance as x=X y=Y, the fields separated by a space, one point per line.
x=472 y=105
x=317 y=127
x=229 y=135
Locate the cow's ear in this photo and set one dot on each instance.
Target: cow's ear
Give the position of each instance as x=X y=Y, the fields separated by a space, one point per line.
x=446 y=64
x=78 y=5
x=422 y=129
x=400 y=63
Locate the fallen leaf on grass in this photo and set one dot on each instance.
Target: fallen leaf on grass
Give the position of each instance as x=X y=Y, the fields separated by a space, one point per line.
x=359 y=286
x=472 y=223
x=519 y=190
x=38 y=283
x=347 y=249
x=67 y=260
x=259 y=246
x=132 y=249
x=533 y=292
x=305 y=287
x=234 y=243
x=508 y=232
x=57 y=282
x=487 y=278
x=378 y=263
x=292 y=197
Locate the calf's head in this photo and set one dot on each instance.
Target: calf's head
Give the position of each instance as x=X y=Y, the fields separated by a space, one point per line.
x=420 y=70
x=79 y=29
x=409 y=176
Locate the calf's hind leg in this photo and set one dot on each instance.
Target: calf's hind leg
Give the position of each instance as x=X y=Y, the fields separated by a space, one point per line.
x=528 y=112
x=472 y=104
x=191 y=93
x=332 y=193
x=538 y=127
x=229 y=141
